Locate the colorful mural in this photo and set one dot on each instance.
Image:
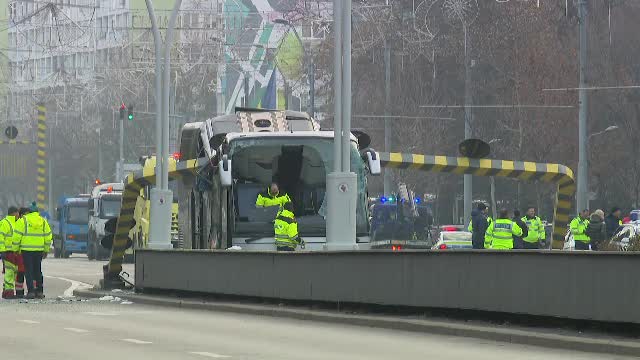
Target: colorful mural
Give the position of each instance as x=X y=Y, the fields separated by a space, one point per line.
x=256 y=45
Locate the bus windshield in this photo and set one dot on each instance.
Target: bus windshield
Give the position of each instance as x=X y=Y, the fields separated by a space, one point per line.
x=78 y=215
x=299 y=166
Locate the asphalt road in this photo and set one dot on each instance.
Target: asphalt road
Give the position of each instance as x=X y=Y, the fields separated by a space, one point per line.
x=59 y=329
x=65 y=275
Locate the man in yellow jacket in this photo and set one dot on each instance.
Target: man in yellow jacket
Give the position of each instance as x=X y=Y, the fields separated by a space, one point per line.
x=285 y=228
x=10 y=252
x=272 y=197
x=535 y=232
x=34 y=234
x=502 y=231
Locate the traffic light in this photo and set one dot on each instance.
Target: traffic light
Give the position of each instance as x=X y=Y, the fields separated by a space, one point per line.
x=130 y=116
x=122 y=109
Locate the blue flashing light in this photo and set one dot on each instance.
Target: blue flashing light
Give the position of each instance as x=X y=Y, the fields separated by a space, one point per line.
x=417 y=200
x=383 y=199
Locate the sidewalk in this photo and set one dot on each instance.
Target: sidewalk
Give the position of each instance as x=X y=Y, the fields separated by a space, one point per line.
x=515 y=335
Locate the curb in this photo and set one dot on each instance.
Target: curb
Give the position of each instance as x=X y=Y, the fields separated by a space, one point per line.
x=506 y=335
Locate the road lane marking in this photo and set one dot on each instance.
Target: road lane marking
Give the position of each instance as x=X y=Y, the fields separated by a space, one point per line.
x=136 y=341
x=29 y=321
x=210 y=355
x=76 y=330
x=75 y=285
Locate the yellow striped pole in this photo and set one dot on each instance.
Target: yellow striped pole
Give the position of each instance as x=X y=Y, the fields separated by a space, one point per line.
x=42 y=141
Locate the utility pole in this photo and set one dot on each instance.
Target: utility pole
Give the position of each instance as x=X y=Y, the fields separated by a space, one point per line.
x=99 y=154
x=220 y=102
x=342 y=183
x=468 y=118
x=120 y=169
x=286 y=94
x=246 y=90
x=312 y=87
x=387 y=111
x=50 y=173
x=161 y=196
x=583 y=140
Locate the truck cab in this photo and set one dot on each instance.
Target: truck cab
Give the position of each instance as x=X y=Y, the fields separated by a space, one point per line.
x=249 y=150
x=104 y=205
x=72 y=215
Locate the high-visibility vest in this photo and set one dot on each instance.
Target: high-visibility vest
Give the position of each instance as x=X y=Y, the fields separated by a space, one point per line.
x=286 y=229
x=487 y=238
x=502 y=232
x=536 y=230
x=265 y=199
x=34 y=233
x=578 y=228
x=7 y=236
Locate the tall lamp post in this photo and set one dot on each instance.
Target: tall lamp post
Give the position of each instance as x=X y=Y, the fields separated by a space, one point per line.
x=161 y=197
x=341 y=182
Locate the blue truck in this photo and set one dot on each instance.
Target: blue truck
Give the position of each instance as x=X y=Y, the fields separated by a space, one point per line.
x=71 y=226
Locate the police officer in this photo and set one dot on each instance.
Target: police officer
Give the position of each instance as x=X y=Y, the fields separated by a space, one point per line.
x=286 y=230
x=34 y=234
x=272 y=197
x=536 y=230
x=578 y=227
x=9 y=249
x=502 y=231
x=482 y=220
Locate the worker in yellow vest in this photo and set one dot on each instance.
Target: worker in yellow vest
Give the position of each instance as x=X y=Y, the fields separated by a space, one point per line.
x=502 y=231
x=34 y=234
x=286 y=230
x=578 y=227
x=535 y=232
x=10 y=252
x=272 y=197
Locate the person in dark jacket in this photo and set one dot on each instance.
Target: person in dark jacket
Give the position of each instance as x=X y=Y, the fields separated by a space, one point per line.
x=613 y=222
x=479 y=226
x=597 y=229
x=517 y=240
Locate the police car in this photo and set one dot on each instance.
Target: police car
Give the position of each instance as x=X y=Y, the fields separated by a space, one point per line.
x=453 y=237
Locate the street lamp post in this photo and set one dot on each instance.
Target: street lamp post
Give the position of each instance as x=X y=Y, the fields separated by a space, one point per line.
x=610 y=128
x=583 y=139
x=341 y=182
x=161 y=197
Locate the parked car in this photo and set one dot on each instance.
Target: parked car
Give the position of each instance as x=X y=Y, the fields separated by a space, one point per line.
x=453 y=239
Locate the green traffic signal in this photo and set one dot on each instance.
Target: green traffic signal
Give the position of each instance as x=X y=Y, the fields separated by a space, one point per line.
x=130 y=117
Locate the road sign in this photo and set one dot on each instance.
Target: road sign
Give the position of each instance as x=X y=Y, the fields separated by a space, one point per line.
x=11 y=132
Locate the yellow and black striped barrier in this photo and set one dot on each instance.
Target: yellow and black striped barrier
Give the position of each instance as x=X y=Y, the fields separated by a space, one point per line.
x=132 y=186
x=41 y=158
x=523 y=170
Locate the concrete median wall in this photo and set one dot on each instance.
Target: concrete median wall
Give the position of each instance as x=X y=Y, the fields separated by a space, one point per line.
x=576 y=285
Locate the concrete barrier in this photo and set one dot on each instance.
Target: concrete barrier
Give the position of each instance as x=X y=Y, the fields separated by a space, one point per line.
x=575 y=285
